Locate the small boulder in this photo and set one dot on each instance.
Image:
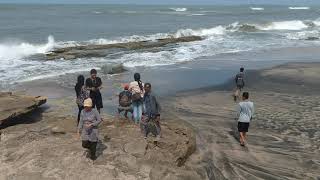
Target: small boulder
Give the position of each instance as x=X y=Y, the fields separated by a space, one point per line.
x=113 y=69
x=58 y=130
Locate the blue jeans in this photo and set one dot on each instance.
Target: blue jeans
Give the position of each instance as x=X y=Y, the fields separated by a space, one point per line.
x=137 y=111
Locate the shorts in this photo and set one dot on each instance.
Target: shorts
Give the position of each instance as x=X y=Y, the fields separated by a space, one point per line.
x=243 y=127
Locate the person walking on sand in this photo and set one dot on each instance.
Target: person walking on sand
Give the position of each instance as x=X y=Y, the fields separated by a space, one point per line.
x=125 y=101
x=94 y=84
x=245 y=114
x=88 y=128
x=82 y=94
x=151 y=112
x=239 y=80
x=137 y=91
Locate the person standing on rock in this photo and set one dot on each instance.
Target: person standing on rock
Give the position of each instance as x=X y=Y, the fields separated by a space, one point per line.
x=94 y=84
x=151 y=112
x=82 y=94
x=88 y=128
x=137 y=90
x=239 y=80
x=125 y=101
x=245 y=114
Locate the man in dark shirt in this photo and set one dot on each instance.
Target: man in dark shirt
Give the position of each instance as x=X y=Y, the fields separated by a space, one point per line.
x=151 y=112
x=125 y=101
x=239 y=80
x=94 y=84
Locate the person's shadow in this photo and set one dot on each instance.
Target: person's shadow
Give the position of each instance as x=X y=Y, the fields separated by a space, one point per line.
x=100 y=148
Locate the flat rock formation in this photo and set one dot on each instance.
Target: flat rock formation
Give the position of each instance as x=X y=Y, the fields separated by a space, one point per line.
x=105 y=49
x=13 y=106
x=49 y=149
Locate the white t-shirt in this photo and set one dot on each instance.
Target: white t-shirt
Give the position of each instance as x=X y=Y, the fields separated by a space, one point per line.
x=245 y=111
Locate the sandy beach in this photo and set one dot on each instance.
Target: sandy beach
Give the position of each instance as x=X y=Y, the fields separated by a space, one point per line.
x=283 y=138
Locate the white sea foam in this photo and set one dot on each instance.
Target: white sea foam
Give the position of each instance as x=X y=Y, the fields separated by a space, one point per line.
x=284 y=25
x=299 y=8
x=10 y=51
x=219 y=30
x=179 y=9
x=257 y=8
x=199 y=14
x=304 y=35
x=97 y=12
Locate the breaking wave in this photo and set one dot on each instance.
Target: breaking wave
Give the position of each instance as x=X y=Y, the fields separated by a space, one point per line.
x=179 y=9
x=10 y=51
x=299 y=8
x=257 y=8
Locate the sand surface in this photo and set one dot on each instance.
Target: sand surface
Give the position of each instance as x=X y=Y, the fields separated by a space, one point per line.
x=283 y=138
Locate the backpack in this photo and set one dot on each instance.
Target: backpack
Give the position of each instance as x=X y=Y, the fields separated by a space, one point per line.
x=136 y=97
x=240 y=80
x=125 y=100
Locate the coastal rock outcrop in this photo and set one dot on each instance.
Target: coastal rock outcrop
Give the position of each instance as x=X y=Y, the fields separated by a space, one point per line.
x=113 y=69
x=122 y=151
x=101 y=50
x=13 y=105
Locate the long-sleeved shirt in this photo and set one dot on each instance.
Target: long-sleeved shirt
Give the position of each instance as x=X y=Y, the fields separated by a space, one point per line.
x=90 y=117
x=245 y=111
x=151 y=105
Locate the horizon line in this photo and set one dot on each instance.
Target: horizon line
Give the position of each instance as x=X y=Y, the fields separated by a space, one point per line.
x=161 y=4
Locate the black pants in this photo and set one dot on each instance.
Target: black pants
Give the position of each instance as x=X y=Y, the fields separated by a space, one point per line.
x=91 y=146
x=79 y=113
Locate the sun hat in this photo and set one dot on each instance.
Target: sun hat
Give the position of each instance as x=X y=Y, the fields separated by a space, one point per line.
x=87 y=102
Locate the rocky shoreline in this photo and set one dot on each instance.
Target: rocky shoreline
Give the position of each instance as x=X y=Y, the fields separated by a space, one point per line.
x=43 y=145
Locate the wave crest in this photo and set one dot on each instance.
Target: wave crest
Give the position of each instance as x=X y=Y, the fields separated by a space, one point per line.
x=17 y=51
x=299 y=8
x=179 y=9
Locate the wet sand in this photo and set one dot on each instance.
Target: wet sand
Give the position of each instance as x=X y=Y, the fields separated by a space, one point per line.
x=283 y=139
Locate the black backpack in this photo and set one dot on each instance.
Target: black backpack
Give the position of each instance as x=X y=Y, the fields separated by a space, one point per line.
x=125 y=99
x=240 y=80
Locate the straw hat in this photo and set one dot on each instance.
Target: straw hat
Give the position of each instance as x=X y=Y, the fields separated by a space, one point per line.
x=87 y=102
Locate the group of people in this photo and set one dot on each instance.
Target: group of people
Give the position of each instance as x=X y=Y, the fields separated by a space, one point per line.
x=136 y=98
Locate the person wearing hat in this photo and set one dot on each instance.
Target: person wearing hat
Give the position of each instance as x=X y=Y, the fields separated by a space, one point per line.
x=125 y=101
x=88 y=127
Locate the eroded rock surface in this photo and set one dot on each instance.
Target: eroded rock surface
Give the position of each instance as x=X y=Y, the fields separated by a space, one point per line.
x=12 y=105
x=49 y=149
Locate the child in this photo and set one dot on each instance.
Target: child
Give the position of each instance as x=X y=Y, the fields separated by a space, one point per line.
x=125 y=101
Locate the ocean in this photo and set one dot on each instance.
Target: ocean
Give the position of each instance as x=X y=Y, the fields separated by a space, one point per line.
x=27 y=31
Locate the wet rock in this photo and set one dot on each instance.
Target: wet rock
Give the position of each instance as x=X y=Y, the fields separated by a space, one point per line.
x=113 y=69
x=103 y=50
x=12 y=105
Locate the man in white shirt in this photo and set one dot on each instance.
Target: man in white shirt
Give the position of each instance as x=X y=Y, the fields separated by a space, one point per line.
x=245 y=114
